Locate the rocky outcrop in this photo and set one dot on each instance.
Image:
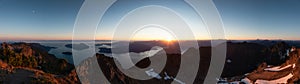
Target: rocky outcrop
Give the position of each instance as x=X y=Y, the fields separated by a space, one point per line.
x=33 y=55
x=290 y=66
x=31 y=63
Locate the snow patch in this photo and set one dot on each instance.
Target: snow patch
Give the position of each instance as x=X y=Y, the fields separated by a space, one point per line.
x=282 y=80
x=294 y=65
x=167 y=77
x=151 y=73
x=228 y=61
x=180 y=82
x=246 y=80
x=277 y=68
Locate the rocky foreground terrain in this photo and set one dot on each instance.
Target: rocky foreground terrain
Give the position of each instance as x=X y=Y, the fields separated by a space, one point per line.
x=245 y=63
x=280 y=65
x=287 y=72
x=31 y=63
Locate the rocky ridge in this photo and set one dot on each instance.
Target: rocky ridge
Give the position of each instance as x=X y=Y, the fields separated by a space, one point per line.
x=31 y=63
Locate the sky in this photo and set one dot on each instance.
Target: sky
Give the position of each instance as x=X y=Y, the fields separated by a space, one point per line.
x=242 y=19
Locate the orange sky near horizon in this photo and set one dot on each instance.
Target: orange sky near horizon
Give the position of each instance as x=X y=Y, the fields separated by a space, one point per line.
x=43 y=37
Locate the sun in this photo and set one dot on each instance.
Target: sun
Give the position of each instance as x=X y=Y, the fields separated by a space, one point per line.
x=169 y=39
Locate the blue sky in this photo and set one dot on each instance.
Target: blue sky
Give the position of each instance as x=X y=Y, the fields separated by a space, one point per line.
x=242 y=19
x=272 y=19
x=37 y=19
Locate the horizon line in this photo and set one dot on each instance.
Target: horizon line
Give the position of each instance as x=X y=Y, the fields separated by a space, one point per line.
x=141 y=40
